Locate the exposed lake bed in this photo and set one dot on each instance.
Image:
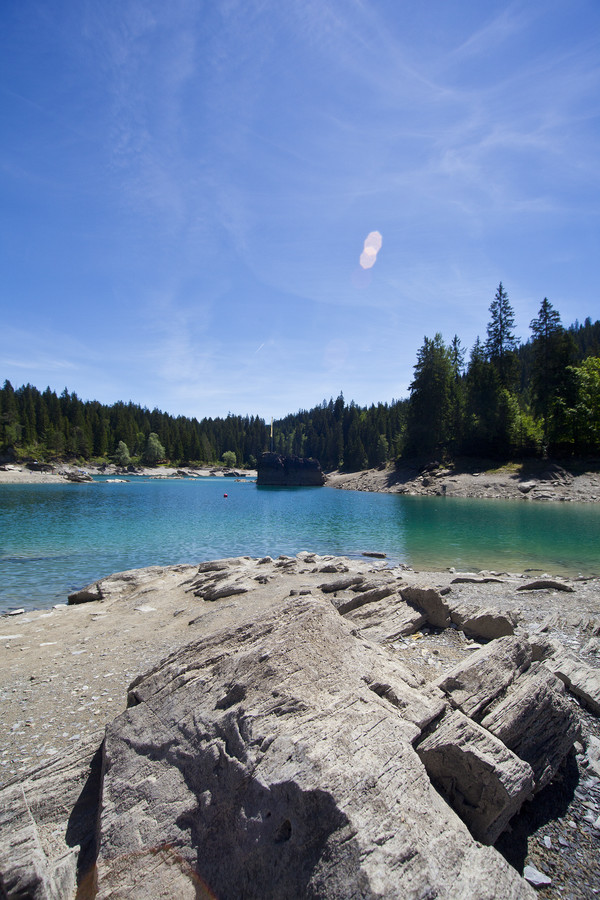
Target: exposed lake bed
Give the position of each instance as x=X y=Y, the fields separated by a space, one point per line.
x=65 y=672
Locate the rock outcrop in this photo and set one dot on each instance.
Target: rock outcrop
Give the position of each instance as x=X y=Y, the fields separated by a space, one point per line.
x=292 y=748
x=274 y=469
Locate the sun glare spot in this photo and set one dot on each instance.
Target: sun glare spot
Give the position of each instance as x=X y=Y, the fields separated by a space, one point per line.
x=371 y=248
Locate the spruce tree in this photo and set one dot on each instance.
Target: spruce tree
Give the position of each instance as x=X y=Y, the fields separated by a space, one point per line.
x=429 y=411
x=553 y=351
x=501 y=343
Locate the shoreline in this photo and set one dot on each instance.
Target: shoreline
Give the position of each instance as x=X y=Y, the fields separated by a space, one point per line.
x=535 y=481
x=15 y=473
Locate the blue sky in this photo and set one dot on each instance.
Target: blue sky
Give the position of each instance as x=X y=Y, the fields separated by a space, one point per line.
x=186 y=190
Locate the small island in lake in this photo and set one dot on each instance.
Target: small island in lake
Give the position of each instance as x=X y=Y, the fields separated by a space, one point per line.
x=275 y=469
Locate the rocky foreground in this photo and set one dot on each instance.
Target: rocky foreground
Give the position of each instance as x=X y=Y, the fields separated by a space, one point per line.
x=303 y=727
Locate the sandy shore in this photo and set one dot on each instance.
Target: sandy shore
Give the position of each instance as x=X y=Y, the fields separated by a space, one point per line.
x=18 y=474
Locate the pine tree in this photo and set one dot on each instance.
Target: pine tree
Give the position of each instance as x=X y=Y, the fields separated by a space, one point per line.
x=429 y=413
x=553 y=351
x=501 y=343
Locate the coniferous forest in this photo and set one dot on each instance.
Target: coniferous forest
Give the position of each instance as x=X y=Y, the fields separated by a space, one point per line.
x=503 y=399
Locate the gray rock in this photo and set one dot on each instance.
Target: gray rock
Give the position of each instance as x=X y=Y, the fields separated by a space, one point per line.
x=482 y=623
x=476 y=579
x=536 y=722
x=535 y=877
x=431 y=602
x=593 y=754
x=276 y=759
x=387 y=620
x=483 y=781
x=473 y=684
x=341 y=584
x=87 y=594
x=344 y=606
x=222 y=590
x=48 y=826
x=581 y=680
x=546 y=584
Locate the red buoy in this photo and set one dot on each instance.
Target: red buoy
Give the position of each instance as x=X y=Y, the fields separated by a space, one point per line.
x=224 y=495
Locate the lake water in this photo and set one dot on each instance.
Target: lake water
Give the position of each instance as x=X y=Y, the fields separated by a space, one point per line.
x=56 y=538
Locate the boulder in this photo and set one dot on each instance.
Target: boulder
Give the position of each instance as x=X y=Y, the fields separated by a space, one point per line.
x=436 y=609
x=346 y=605
x=276 y=759
x=48 y=826
x=274 y=469
x=482 y=623
x=386 y=620
x=536 y=722
x=341 y=584
x=89 y=594
x=580 y=679
x=477 y=622
x=473 y=684
x=546 y=584
x=482 y=780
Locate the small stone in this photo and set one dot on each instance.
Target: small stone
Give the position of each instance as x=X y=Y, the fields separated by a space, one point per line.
x=547 y=841
x=535 y=877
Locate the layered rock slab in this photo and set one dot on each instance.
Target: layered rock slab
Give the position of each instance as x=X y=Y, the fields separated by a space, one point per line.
x=484 y=782
x=277 y=759
x=48 y=826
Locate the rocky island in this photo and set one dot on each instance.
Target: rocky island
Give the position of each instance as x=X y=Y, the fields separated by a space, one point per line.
x=305 y=726
x=275 y=469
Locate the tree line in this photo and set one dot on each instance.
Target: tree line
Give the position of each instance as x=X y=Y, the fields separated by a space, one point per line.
x=509 y=399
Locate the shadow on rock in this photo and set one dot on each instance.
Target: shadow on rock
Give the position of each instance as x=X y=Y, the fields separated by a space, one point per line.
x=550 y=804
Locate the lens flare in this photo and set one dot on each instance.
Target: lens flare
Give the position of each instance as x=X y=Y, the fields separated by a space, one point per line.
x=371 y=248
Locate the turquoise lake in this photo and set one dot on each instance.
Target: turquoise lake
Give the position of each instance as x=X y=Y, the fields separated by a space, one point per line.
x=56 y=538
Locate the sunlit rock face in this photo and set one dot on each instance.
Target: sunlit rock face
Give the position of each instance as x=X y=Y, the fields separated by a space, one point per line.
x=275 y=469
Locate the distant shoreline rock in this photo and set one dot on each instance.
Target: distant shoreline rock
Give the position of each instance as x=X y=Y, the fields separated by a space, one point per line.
x=289 y=471
x=529 y=481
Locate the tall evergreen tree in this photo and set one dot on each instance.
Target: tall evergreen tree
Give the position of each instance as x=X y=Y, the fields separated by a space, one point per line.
x=457 y=357
x=501 y=343
x=429 y=411
x=553 y=351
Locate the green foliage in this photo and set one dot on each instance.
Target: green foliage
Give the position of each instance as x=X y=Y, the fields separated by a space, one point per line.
x=501 y=343
x=553 y=350
x=229 y=459
x=430 y=407
x=583 y=417
x=122 y=457
x=550 y=405
x=154 y=451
